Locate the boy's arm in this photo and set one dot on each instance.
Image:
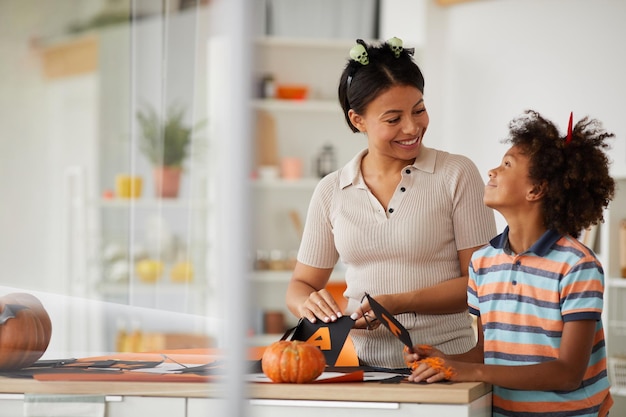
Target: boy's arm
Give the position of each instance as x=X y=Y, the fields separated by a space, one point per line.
x=564 y=373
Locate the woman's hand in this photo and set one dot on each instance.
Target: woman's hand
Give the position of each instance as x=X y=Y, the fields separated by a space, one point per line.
x=364 y=316
x=320 y=305
x=306 y=296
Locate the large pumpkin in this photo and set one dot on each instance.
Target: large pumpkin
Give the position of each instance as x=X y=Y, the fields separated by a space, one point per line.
x=25 y=330
x=293 y=361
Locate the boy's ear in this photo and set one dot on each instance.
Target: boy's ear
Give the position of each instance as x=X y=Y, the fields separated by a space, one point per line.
x=357 y=120
x=537 y=192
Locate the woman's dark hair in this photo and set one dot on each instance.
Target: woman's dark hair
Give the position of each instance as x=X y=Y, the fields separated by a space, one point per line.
x=360 y=84
x=576 y=174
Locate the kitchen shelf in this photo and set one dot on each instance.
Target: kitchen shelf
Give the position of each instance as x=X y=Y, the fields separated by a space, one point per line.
x=151 y=203
x=301 y=184
x=616 y=282
x=122 y=288
x=614 y=315
x=270 y=276
x=263 y=339
x=307 y=105
x=297 y=129
x=322 y=44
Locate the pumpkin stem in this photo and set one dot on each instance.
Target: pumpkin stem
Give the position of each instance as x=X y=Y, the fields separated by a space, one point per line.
x=9 y=312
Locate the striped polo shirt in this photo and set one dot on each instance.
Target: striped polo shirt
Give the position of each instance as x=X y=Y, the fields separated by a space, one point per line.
x=523 y=301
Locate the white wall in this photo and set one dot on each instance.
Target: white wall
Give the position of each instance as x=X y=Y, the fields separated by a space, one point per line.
x=31 y=163
x=487 y=61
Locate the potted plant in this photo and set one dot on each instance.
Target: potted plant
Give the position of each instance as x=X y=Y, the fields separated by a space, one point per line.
x=165 y=142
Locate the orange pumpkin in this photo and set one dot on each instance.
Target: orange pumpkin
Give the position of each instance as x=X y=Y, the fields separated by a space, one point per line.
x=293 y=361
x=25 y=330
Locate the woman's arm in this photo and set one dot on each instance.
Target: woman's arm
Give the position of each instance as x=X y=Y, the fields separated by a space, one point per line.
x=306 y=296
x=444 y=298
x=448 y=297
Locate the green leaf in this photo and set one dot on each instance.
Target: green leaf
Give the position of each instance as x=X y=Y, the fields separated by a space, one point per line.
x=165 y=142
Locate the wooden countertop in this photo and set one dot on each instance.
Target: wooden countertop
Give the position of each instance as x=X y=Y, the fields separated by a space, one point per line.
x=440 y=393
x=404 y=392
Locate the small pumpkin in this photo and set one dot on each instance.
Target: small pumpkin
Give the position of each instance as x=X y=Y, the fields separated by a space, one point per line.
x=25 y=330
x=293 y=361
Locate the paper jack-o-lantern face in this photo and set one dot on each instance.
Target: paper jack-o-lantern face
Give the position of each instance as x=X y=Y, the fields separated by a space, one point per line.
x=359 y=54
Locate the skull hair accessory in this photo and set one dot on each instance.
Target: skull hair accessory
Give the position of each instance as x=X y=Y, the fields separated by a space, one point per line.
x=568 y=138
x=396 y=46
x=359 y=53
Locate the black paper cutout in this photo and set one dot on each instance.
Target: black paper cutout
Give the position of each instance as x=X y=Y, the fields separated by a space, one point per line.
x=329 y=337
x=390 y=322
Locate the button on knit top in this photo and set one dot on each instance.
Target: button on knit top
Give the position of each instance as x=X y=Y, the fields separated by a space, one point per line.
x=437 y=210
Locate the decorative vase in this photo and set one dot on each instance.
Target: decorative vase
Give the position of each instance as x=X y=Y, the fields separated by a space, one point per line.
x=128 y=186
x=167 y=181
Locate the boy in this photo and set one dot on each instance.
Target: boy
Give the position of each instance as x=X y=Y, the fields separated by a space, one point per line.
x=535 y=289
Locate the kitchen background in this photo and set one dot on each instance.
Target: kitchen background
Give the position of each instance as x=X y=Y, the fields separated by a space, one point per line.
x=72 y=77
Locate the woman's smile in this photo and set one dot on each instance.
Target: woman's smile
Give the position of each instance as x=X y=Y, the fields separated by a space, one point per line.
x=409 y=142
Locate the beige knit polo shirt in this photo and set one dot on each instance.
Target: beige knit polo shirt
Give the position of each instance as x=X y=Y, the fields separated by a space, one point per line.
x=436 y=210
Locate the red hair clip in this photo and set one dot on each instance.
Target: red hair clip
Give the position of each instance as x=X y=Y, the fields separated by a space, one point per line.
x=568 y=138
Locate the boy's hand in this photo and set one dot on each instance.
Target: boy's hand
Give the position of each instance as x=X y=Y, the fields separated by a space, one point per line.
x=427 y=364
x=419 y=352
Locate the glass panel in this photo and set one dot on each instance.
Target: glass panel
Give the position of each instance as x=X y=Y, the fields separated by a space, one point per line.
x=97 y=97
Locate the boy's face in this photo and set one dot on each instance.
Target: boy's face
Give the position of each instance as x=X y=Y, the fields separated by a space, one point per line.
x=509 y=184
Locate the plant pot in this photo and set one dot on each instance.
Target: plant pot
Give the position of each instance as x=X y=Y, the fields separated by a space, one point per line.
x=167 y=181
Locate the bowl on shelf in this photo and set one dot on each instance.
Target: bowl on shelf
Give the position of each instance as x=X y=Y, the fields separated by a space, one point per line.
x=292 y=91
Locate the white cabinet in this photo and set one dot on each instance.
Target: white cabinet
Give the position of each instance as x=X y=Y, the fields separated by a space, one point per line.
x=12 y=405
x=147 y=406
x=615 y=288
x=481 y=407
x=203 y=407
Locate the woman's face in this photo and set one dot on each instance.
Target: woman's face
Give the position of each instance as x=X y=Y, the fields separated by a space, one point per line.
x=395 y=122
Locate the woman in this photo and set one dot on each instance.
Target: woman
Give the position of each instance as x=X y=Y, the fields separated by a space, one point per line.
x=403 y=218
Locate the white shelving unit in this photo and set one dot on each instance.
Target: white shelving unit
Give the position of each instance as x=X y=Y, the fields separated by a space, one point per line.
x=128 y=223
x=303 y=127
x=615 y=288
